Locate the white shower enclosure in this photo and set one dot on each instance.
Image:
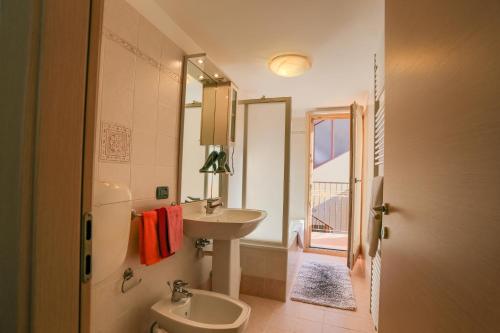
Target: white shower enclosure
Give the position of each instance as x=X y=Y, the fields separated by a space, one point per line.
x=262 y=166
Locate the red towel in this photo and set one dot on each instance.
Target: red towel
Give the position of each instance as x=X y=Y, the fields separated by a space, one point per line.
x=148 y=238
x=163 y=233
x=175 y=227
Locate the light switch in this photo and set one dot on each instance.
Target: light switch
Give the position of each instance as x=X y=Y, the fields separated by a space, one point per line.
x=162 y=192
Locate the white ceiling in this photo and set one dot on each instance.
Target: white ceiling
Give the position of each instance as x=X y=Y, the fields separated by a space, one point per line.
x=240 y=36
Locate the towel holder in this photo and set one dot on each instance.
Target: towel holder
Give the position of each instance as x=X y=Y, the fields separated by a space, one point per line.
x=134 y=213
x=128 y=275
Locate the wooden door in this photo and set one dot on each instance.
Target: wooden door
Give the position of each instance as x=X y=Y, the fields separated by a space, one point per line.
x=342 y=213
x=440 y=268
x=66 y=91
x=356 y=152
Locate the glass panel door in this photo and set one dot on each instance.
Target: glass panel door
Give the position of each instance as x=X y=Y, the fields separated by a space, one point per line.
x=266 y=167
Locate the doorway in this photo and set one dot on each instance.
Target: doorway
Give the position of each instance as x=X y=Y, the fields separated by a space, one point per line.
x=329 y=181
x=334 y=200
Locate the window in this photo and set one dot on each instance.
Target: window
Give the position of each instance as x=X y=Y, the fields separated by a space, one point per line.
x=331 y=139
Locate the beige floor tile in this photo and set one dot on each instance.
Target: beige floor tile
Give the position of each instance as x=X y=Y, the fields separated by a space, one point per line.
x=291 y=324
x=310 y=312
x=357 y=323
x=269 y=316
x=335 y=329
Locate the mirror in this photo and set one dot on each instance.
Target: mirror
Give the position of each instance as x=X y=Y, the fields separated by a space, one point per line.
x=209 y=111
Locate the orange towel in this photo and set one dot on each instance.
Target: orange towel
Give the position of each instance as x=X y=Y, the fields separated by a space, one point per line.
x=175 y=228
x=148 y=238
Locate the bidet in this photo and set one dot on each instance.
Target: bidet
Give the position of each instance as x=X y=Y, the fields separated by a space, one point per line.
x=204 y=312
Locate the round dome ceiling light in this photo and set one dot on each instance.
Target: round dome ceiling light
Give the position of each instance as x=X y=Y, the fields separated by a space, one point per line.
x=289 y=65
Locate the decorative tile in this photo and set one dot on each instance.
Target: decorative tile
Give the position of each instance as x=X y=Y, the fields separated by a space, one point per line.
x=115 y=143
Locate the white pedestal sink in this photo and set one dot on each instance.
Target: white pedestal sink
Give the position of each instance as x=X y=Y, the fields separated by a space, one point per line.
x=225 y=226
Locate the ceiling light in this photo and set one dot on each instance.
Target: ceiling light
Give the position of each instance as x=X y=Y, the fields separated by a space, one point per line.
x=216 y=75
x=201 y=77
x=200 y=61
x=289 y=65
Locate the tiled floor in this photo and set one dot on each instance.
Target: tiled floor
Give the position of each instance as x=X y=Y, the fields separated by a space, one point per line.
x=328 y=240
x=270 y=316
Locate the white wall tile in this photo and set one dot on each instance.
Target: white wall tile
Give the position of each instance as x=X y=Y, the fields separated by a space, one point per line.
x=117 y=84
x=167 y=176
x=122 y=19
x=168 y=120
x=170 y=55
x=169 y=91
x=145 y=97
x=143 y=182
x=114 y=172
x=134 y=95
x=150 y=39
x=143 y=147
x=167 y=148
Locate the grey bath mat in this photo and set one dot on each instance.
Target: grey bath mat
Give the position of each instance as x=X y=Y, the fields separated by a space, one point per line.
x=324 y=284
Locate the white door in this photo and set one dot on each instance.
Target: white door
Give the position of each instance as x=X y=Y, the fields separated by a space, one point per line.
x=355 y=184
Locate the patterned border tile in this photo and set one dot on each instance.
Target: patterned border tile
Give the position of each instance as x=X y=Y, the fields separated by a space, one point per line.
x=135 y=50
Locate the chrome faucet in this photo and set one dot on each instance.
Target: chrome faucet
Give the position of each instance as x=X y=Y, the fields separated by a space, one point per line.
x=213 y=203
x=178 y=291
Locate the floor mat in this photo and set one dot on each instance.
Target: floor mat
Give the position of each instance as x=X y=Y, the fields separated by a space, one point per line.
x=327 y=284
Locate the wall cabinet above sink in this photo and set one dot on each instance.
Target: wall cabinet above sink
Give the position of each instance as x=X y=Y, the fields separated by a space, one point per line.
x=218 y=118
x=208 y=124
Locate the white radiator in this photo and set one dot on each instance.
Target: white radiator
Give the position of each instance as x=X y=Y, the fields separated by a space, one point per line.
x=378 y=171
x=375 y=287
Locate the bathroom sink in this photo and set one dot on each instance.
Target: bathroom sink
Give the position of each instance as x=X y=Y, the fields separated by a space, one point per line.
x=204 y=312
x=223 y=224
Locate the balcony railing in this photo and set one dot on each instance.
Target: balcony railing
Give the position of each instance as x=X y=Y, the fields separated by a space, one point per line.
x=330 y=207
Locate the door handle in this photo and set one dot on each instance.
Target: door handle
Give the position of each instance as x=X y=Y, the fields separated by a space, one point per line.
x=384 y=233
x=357 y=180
x=384 y=209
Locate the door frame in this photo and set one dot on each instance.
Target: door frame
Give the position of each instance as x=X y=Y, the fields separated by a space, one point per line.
x=319 y=113
x=90 y=128
x=353 y=254
x=286 y=165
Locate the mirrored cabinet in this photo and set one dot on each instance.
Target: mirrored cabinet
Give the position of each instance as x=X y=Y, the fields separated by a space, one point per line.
x=210 y=102
x=218 y=114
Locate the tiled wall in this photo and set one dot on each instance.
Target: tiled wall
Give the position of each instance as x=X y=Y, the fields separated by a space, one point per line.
x=294 y=252
x=137 y=145
x=264 y=271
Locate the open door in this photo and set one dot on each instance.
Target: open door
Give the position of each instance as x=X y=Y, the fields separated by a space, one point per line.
x=440 y=267
x=356 y=163
x=329 y=137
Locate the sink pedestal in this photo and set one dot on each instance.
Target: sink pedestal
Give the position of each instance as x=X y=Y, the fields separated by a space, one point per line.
x=225 y=226
x=226 y=269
